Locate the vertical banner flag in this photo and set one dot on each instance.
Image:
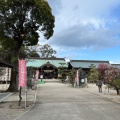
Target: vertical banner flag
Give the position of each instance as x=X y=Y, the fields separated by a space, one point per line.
x=22 y=73
x=37 y=74
x=77 y=77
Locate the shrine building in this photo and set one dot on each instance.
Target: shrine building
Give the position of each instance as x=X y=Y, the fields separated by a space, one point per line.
x=48 y=67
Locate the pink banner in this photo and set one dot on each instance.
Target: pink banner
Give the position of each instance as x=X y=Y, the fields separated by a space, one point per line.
x=22 y=73
x=77 y=76
x=37 y=74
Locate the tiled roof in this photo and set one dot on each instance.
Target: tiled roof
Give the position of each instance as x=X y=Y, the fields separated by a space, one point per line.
x=5 y=64
x=116 y=65
x=86 y=63
x=39 y=62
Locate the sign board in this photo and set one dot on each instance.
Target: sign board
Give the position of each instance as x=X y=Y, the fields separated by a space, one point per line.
x=82 y=80
x=22 y=73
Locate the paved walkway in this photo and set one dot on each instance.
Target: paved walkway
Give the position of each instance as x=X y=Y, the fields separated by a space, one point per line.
x=61 y=95
x=9 y=109
x=4 y=95
x=57 y=101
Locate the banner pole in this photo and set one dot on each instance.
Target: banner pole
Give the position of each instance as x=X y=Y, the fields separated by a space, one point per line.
x=19 y=103
x=25 y=97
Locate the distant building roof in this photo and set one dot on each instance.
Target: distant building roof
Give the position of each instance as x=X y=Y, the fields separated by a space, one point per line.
x=116 y=65
x=5 y=64
x=86 y=63
x=38 y=62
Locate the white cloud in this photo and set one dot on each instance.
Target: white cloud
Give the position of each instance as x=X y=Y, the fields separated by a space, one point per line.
x=79 y=11
x=86 y=36
x=84 y=24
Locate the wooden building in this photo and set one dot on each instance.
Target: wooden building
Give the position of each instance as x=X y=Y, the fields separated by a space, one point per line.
x=48 y=67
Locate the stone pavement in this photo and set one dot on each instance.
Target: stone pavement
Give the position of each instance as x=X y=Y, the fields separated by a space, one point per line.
x=9 y=108
x=58 y=101
x=4 y=95
x=110 y=94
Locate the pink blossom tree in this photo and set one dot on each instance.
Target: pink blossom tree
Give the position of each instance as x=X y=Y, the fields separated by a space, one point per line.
x=102 y=67
x=112 y=77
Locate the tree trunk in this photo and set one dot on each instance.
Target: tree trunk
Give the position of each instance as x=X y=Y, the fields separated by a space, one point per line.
x=13 y=87
x=117 y=90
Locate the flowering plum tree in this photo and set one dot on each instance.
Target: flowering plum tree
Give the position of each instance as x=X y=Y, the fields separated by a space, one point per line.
x=102 y=67
x=112 y=77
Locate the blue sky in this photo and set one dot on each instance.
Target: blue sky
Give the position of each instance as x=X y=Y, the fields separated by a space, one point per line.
x=86 y=29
